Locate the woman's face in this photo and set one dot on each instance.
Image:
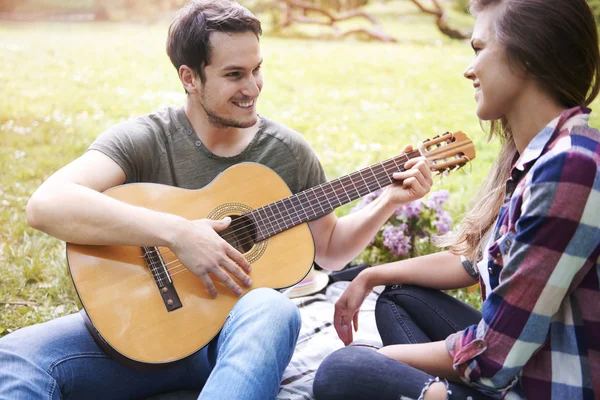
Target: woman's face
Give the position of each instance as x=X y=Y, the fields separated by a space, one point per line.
x=498 y=85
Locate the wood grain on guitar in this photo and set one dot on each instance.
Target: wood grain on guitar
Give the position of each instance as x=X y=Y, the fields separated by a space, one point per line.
x=150 y=309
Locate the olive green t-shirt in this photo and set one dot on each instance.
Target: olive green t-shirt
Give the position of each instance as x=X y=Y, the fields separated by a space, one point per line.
x=162 y=147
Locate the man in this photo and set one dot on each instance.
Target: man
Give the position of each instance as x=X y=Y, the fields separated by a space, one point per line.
x=215 y=48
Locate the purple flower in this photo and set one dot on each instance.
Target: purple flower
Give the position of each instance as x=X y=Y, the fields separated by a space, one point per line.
x=443 y=222
x=437 y=199
x=412 y=210
x=395 y=239
x=371 y=196
x=366 y=200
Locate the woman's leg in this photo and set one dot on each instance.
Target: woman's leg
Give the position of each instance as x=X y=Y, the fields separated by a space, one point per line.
x=357 y=373
x=411 y=314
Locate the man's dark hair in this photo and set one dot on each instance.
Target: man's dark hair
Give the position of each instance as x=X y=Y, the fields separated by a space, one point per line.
x=188 y=42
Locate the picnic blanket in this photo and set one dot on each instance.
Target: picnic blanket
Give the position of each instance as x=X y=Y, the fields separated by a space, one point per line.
x=318 y=338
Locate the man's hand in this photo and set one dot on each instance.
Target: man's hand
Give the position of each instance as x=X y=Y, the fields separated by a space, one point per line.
x=201 y=250
x=414 y=183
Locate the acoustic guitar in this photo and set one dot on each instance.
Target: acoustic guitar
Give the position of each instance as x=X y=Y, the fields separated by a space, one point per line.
x=148 y=308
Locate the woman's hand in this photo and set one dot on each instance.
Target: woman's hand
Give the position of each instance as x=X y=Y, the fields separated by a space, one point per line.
x=347 y=307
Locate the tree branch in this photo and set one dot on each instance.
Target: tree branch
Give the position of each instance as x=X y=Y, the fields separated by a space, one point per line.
x=331 y=18
x=441 y=20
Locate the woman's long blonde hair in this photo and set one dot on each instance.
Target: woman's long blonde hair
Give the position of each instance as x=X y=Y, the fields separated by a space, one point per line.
x=556 y=43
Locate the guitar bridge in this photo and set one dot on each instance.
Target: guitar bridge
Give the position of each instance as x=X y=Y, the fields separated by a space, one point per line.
x=170 y=297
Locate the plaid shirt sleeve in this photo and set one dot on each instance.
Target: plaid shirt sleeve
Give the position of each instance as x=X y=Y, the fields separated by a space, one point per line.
x=547 y=238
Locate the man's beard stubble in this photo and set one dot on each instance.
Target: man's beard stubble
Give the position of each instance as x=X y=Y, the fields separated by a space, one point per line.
x=221 y=122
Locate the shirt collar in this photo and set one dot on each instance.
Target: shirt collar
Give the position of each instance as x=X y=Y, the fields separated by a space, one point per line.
x=567 y=120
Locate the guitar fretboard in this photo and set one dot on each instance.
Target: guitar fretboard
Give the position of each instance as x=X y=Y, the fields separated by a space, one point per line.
x=320 y=200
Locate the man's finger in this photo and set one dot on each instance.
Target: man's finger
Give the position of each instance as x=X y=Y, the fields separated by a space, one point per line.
x=208 y=284
x=236 y=271
x=238 y=258
x=219 y=225
x=224 y=277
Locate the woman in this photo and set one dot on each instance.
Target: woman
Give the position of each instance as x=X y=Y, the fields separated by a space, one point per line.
x=532 y=238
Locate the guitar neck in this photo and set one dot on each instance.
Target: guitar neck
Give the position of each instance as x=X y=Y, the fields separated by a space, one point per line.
x=320 y=200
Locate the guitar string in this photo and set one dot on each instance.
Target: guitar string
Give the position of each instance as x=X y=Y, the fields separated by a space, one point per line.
x=275 y=217
x=384 y=170
x=319 y=197
x=319 y=193
x=281 y=214
x=293 y=212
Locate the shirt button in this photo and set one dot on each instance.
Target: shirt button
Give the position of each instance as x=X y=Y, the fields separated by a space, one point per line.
x=198 y=143
x=508 y=242
x=490 y=270
x=190 y=132
x=506 y=252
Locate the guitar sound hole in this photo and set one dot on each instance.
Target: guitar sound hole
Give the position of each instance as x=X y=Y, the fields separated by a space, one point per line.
x=241 y=233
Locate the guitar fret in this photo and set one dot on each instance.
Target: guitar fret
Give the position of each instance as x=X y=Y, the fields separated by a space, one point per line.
x=333 y=207
x=307 y=200
x=375 y=175
x=361 y=189
x=275 y=218
x=340 y=191
x=281 y=217
x=389 y=170
x=388 y=179
x=297 y=204
x=289 y=207
x=318 y=197
x=365 y=182
x=351 y=179
x=373 y=181
x=344 y=185
x=268 y=219
x=312 y=201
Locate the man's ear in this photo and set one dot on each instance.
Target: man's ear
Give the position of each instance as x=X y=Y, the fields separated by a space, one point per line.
x=189 y=79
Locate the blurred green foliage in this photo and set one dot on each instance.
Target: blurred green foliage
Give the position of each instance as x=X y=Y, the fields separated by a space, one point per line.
x=595 y=4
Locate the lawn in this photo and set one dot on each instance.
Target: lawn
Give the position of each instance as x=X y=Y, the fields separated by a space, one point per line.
x=356 y=102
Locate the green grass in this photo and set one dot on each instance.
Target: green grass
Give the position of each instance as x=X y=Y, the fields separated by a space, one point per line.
x=356 y=102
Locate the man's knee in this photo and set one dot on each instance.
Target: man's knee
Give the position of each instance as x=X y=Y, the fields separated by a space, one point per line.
x=270 y=305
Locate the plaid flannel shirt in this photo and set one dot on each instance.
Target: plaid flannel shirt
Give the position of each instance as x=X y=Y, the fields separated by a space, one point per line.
x=539 y=337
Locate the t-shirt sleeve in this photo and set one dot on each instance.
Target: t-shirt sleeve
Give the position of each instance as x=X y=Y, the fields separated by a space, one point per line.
x=132 y=145
x=311 y=170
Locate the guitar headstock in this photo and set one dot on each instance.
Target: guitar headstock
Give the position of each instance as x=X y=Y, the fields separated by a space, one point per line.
x=448 y=151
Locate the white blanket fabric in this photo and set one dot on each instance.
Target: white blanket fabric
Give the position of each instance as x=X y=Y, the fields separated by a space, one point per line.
x=318 y=338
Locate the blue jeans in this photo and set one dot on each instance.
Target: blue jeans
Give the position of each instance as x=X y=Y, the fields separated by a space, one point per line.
x=60 y=360
x=404 y=314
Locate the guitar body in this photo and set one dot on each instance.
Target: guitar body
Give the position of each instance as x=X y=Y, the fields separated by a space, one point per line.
x=122 y=299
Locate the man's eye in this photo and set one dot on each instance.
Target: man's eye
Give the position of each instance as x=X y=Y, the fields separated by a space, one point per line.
x=233 y=74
